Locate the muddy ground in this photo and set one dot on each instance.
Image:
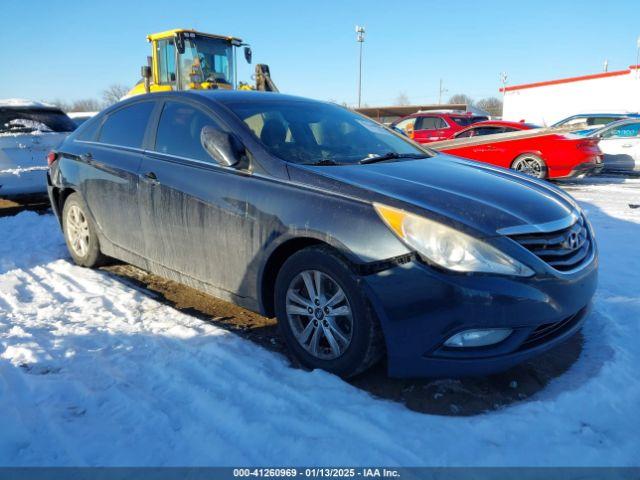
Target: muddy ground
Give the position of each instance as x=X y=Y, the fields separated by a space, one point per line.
x=459 y=397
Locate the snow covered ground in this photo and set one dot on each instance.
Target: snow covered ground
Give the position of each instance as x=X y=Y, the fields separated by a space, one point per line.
x=93 y=372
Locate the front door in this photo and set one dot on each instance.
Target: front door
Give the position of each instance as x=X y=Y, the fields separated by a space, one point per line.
x=194 y=212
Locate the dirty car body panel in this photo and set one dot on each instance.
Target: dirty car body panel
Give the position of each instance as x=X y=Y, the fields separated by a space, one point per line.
x=219 y=229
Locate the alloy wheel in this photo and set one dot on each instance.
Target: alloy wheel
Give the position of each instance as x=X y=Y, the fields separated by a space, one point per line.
x=319 y=314
x=78 y=231
x=529 y=165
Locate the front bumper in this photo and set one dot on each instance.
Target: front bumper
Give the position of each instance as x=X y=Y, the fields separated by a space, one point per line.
x=419 y=308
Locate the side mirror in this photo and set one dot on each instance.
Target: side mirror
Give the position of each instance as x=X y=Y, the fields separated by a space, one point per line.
x=224 y=148
x=248 y=54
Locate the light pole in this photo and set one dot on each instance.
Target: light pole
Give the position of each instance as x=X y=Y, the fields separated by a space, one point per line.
x=503 y=79
x=360 y=40
x=440 y=92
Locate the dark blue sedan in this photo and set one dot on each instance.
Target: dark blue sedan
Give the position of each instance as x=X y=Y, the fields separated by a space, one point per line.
x=361 y=242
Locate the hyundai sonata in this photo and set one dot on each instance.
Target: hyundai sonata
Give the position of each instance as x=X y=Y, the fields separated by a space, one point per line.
x=361 y=242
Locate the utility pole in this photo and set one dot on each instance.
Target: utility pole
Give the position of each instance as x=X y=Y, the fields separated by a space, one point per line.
x=440 y=92
x=638 y=58
x=360 y=40
x=605 y=66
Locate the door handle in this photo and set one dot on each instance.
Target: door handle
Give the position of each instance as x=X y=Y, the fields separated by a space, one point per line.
x=627 y=145
x=151 y=178
x=86 y=157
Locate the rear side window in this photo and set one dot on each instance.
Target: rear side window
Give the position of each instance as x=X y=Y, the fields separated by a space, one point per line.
x=601 y=120
x=32 y=120
x=179 y=131
x=88 y=130
x=466 y=121
x=426 y=123
x=127 y=126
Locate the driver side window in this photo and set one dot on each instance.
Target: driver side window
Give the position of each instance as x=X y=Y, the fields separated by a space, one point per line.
x=179 y=131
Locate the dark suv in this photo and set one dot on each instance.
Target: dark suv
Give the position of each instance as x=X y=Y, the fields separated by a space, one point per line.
x=435 y=126
x=359 y=241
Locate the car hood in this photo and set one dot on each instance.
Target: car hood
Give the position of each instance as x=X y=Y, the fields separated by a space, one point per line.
x=480 y=197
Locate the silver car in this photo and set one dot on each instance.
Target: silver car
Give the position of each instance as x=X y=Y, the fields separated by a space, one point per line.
x=620 y=145
x=28 y=131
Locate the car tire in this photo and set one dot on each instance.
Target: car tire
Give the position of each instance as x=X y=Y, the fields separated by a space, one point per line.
x=530 y=164
x=357 y=338
x=80 y=233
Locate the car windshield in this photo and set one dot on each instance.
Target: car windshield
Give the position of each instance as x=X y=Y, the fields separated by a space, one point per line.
x=316 y=133
x=14 y=121
x=207 y=60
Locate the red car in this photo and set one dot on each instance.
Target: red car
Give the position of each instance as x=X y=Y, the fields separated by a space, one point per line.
x=538 y=153
x=425 y=127
x=491 y=127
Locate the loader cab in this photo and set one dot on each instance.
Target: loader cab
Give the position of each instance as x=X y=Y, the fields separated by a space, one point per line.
x=190 y=60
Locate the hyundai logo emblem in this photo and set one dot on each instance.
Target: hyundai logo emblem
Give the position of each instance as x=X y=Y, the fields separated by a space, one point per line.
x=572 y=241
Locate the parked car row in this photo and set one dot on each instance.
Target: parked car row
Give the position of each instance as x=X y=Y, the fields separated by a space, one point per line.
x=578 y=145
x=360 y=241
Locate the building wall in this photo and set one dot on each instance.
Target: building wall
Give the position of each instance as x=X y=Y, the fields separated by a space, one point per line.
x=546 y=104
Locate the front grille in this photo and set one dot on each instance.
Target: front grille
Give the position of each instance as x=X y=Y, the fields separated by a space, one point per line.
x=563 y=249
x=547 y=331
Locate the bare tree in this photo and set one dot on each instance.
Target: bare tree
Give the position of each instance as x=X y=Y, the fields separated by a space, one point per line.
x=461 y=98
x=492 y=105
x=402 y=99
x=61 y=104
x=85 y=105
x=114 y=93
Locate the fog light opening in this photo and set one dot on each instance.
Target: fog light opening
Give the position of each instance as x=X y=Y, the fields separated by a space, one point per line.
x=478 y=337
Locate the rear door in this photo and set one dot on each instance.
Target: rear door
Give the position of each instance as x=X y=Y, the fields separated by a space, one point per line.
x=621 y=148
x=111 y=160
x=194 y=212
x=430 y=129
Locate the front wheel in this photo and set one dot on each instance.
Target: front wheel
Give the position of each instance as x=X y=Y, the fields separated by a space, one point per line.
x=323 y=314
x=531 y=165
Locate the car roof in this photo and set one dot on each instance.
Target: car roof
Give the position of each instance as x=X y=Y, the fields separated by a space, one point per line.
x=252 y=96
x=621 y=115
x=502 y=123
x=216 y=96
x=22 y=104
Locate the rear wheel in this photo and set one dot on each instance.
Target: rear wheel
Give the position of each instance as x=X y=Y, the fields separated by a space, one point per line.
x=323 y=314
x=531 y=165
x=80 y=233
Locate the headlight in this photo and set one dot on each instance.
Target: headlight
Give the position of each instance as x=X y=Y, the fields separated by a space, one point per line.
x=448 y=247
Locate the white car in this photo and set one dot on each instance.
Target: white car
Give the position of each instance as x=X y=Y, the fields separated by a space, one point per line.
x=620 y=144
x=28 y=131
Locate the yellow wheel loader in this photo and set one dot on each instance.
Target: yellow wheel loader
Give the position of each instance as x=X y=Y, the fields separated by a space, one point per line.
x=186 y=60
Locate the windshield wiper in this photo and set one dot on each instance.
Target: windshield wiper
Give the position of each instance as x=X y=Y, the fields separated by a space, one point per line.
x=391 y=156
x=325 y=162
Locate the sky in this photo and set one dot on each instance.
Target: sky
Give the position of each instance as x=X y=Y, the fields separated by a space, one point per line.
x=70 y=50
